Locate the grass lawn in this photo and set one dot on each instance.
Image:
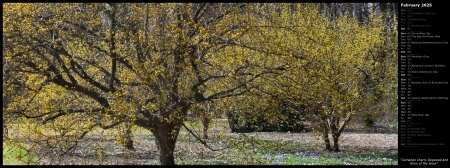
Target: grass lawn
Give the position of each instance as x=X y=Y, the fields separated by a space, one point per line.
x=15 y=154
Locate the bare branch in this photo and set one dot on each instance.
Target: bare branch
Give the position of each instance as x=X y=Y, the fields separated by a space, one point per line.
x=201 y=140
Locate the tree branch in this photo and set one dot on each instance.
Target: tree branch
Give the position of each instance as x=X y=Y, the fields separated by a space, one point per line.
x=201 y=140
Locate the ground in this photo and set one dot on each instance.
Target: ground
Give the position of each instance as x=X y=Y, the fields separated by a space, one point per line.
x=190 y=152
x=260 y=148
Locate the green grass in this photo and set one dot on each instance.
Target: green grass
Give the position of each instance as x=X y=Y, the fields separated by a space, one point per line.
x=15 y=154
x=214 y=123
x=193 y=124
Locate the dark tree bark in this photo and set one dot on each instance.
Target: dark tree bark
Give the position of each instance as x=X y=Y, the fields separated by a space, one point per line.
x=128 y=137
x=363 y=12
x=335 y=143
x=206 y=119
x=205 y=127
x=165 y=139
x=325 y=134
x=384 y=12
x=327 y=140
x=394 y=7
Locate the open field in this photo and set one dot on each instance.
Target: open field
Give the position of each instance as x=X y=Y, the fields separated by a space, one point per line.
x=261 y=148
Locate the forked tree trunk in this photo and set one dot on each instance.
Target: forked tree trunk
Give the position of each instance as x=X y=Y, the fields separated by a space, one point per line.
x=336 y=131
x=165 y=139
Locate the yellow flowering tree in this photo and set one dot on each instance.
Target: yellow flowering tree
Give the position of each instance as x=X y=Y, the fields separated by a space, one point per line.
x=83 y=66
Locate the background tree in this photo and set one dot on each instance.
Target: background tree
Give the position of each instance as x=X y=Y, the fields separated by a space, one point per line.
x=332 y=60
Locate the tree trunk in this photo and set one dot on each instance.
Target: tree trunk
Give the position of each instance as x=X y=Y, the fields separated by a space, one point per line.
x=206 y=120
x=166 y=138
x=394 y=10
x=232 y=121
x=166 y=153
x=335 y=143
x=205 y=129
x=325 y=133
x=128 y=137
x=326 y=139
